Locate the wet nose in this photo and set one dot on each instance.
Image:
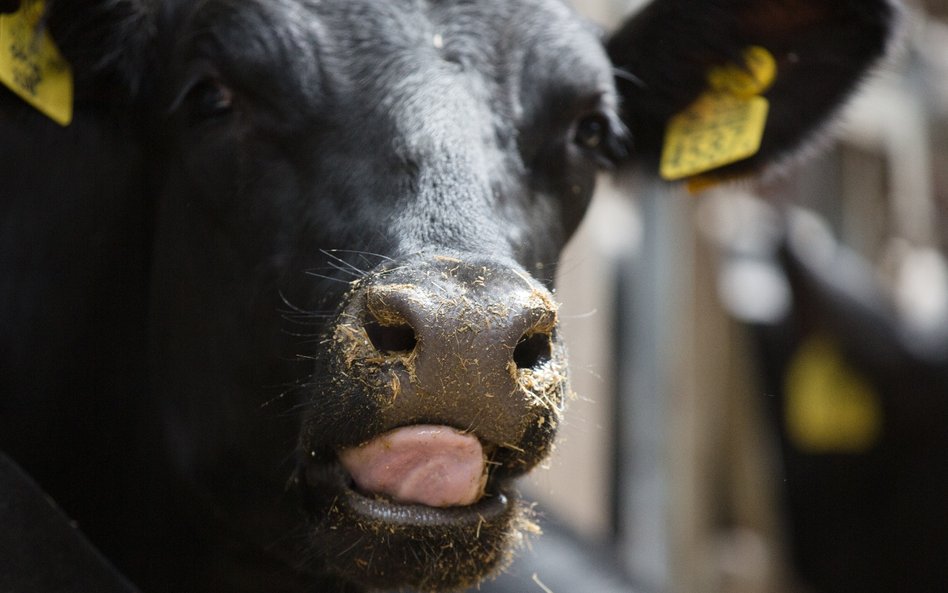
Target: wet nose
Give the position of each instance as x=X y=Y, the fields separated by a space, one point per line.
x=467 y=344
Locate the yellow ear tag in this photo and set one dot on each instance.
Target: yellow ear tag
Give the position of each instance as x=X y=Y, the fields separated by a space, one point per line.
x=829 y=407
x=757 y=75
x=726 y=123
x=31 y=65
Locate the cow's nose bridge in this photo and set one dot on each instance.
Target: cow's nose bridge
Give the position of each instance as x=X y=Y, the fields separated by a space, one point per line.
x=462 y=344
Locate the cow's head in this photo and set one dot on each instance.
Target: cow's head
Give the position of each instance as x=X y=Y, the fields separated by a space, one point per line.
x=359 y=209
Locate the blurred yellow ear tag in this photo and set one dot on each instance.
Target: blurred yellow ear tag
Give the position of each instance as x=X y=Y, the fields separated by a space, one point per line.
x=829 y=407
x=726 y=123
x=757 y=75
x=31 y=65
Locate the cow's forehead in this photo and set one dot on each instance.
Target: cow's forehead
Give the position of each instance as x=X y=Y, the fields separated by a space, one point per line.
x=489 y=20
x=330 y=43
x=495 y=36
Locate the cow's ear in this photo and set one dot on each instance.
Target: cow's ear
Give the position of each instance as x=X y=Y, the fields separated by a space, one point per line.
x=804 y=58
x=107 y=43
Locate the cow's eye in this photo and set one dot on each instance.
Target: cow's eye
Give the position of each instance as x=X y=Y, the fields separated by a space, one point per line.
x=591 y=131
x=602 y=136
x=209 y=98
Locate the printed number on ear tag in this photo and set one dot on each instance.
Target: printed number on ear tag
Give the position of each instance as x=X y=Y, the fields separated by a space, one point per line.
x=716 y=130
x=31 y=65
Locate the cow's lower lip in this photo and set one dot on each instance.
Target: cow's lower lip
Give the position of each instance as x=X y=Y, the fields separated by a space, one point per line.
x=379 y=509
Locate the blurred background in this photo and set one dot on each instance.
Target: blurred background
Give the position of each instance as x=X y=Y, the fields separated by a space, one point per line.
x=762 y=371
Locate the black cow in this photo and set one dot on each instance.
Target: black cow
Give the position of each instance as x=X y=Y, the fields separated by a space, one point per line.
x=276 y=306
x=865 y=499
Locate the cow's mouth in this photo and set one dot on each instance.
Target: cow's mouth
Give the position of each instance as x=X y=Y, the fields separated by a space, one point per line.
x=495 y=502
x=416 y=475
x=387 y=536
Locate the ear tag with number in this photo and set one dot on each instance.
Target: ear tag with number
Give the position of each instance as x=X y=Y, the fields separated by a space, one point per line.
x=726 y=123
x=31 y=65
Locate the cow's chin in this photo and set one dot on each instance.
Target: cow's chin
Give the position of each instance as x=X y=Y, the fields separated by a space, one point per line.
x=380 y=544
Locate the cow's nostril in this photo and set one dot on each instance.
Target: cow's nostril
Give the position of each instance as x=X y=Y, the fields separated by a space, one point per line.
x=391 y=338
x=533 y=350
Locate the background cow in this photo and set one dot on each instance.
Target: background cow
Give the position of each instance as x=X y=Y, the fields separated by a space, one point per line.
x=289 y=254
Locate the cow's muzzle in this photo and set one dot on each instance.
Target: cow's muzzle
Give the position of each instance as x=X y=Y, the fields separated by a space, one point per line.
x=455 y=372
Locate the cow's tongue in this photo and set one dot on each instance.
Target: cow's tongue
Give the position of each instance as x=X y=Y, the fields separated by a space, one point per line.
x=436 y=466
